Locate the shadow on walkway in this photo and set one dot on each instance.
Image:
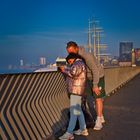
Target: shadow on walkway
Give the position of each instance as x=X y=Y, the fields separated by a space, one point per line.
x=122 y=115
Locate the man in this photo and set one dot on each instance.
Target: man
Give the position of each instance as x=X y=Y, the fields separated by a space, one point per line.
x=95 y=82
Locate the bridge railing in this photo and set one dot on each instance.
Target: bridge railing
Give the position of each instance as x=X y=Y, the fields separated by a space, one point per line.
x=35 y=105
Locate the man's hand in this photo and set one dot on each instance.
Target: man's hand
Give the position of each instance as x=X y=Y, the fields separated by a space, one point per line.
x=96 y=90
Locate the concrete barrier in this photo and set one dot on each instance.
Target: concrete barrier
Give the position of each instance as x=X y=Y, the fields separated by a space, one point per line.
x=116 y=77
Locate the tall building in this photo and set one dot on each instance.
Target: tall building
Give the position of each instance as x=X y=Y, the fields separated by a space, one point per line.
x=42 y=61
x=21 y=62
x=125 y=51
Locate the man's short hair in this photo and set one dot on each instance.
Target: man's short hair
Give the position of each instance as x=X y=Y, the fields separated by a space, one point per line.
x=72 y=43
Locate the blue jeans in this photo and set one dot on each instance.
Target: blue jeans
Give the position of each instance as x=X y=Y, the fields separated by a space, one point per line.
x=76 y=113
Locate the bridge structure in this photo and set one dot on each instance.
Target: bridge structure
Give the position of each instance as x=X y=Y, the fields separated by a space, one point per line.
x=34 y=106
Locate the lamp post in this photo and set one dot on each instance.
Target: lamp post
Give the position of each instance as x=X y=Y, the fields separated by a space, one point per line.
x=133 y=57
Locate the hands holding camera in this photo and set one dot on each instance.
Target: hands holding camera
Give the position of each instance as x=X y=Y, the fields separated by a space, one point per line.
x=61 y=68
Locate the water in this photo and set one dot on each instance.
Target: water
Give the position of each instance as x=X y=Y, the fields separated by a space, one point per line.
x=29 y=70
x=14 y=71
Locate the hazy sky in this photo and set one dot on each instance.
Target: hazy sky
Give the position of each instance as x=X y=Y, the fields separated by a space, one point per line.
x=33 y=28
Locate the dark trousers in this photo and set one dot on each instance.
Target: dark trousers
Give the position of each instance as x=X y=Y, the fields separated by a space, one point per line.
x=89 y=114
x=90 y=100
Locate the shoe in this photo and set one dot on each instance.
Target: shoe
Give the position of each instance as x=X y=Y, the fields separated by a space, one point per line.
x=102 y=119
x=81 y=132
x=67 y=136
x=98 y=124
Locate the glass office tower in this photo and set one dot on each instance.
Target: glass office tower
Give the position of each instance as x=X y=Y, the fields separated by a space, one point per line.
x=125 y=51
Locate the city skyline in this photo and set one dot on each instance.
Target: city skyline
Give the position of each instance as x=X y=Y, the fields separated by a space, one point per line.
x=31 y=29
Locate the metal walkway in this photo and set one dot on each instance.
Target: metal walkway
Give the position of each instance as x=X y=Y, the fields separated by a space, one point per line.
x=122 y=114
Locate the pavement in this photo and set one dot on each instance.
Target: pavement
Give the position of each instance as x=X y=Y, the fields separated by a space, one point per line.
x=122 y=115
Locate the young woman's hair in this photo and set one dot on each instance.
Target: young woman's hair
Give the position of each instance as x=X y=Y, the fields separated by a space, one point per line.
x=72 y=56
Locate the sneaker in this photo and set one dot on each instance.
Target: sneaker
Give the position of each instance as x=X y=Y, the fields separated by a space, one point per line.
x=67 y=136
x=98 y=124
x=102 y=119
x=81 y=132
